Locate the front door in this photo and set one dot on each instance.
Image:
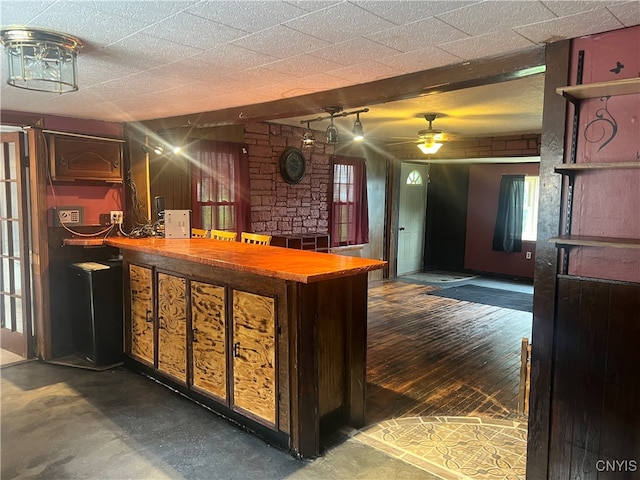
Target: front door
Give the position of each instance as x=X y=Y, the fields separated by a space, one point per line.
x=411 y=217
x=15 y=292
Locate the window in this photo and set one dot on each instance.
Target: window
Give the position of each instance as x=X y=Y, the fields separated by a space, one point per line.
x=530 y=210
x=220 y=187
x=414 y=178
x=349 y=212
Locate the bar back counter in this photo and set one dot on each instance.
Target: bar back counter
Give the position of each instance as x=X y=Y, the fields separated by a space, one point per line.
x=272 y=338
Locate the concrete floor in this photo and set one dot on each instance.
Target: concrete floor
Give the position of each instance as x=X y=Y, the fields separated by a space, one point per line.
x=62 y=423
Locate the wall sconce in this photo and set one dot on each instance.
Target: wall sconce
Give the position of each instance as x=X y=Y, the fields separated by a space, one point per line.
x=308 y=140
x=41 y=60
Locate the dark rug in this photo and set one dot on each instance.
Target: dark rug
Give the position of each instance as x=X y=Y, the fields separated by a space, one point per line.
x=488 y=296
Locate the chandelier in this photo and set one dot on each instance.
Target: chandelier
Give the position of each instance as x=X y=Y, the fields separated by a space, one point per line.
x=41 y=60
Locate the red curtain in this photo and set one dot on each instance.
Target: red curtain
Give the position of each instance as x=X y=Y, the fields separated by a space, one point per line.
x=220 y=191
x=350 y=209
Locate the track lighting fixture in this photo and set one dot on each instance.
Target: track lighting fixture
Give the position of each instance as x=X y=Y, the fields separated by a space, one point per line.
x=332 y=130
x=159 y=149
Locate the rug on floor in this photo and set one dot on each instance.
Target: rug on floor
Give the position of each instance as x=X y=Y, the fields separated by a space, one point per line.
x=453 y=448
x=488 y=296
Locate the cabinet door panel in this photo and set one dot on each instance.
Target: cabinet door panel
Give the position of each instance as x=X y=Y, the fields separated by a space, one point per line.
x=141 y=313
x=208 y=321
x=75 y=158
x=172 y=326
x=254 y=374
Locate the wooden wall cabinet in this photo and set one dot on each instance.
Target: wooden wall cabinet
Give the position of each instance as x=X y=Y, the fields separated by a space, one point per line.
x=73 y=158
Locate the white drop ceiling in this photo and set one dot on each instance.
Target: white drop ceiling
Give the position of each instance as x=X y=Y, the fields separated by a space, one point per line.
x=145 y=60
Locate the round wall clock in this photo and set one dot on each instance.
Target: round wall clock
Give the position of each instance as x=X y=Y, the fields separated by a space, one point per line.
x=292 y=165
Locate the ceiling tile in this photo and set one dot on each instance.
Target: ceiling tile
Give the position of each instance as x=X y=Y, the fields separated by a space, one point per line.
x=366 y=72
x=339 y=23
x=156 y=49
x=417 y=60
x=179 y=28
x=313 y=5
x=280 y=41
x=140 y=11
x=20 y=13
x=628 y=13
x=352 y=51
x=492 y=16
x=417 y=35
x=108 y=64
x=565 y=8
x=568 y=27
x=303 y=65
x=411 y=11
x=487 y=45
x=250 y=16
x=231 y=58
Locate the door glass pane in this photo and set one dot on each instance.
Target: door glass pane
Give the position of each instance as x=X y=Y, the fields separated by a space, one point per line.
x=13 y=205
x=15 y=233
x=5 y=275
x=17 y=283
x=18 y=325
x=13 y=174
x=3 y=199
x=4 y=238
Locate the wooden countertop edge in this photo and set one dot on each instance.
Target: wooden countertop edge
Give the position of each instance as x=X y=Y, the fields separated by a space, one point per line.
x=369 y=265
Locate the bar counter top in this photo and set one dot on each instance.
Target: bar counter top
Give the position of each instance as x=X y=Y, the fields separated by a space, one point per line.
x=276 y=262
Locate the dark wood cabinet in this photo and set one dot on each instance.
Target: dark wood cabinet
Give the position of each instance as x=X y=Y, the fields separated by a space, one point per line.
x=75 y=158
x=317 y=242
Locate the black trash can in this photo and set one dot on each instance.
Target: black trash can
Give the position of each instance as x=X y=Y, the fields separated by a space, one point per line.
x=96 y=310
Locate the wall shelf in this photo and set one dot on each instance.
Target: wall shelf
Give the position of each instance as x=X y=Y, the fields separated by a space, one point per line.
x=573 y=167
x=626 y=86
x=594 y=241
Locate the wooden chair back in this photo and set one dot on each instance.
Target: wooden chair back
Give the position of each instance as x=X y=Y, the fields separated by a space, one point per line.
x=222 y=235
x=255 y=238
x=198 y=233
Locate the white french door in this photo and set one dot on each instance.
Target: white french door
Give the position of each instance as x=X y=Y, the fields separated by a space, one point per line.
x=412 y=217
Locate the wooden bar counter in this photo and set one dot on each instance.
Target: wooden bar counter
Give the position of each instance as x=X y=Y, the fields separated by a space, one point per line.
x=270 y=337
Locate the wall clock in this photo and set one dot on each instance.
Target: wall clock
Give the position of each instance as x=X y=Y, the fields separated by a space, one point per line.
x=292 y=165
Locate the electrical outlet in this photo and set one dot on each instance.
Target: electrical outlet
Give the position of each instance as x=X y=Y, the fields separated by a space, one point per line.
x=528 y=255
x=105 y=219
x=116 y=217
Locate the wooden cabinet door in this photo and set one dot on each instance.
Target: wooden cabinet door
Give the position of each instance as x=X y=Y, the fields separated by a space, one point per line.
x=208 y=323
x=77 y=158
x=140 y=280
x=254 y=356
x=172 y=326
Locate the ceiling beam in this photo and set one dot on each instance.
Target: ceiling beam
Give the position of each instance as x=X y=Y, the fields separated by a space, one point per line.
x=438 y=80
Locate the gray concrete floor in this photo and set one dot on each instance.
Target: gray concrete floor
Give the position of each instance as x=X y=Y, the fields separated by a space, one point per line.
x=67 y=423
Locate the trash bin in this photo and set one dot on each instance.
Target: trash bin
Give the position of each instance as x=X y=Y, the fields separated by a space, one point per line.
x=96 y=310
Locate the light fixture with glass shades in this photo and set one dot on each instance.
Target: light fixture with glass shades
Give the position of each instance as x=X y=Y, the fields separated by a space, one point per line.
x=332 y=133
x=308 y=139
x=428 y=142
x=41 y=60
x=358 y=132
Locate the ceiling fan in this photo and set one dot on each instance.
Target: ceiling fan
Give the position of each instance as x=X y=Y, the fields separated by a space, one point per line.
x=429 y=140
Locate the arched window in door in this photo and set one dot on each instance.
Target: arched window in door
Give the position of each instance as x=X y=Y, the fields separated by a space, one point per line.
x=414 y=178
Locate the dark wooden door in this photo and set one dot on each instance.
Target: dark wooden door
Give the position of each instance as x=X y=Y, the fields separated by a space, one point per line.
x=15 y=294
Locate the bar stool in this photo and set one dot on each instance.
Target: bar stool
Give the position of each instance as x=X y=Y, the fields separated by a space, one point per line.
x=255 y=238
x=222 y=235
x=198 y=233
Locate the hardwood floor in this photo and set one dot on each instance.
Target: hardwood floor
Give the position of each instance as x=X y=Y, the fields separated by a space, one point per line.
x=434 y=356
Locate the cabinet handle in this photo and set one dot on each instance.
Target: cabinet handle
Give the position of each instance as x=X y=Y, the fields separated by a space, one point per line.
x=236 y=347
x=194 y=332
x=148 y=316
x=160 y=323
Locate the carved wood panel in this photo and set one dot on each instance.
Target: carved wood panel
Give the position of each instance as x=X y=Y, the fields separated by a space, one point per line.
x=254 y=372
x=141 y=313
x=172 y=326
x=208 y=321
x=74 y=158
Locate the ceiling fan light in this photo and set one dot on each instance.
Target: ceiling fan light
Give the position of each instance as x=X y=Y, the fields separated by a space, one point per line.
x=429 y=148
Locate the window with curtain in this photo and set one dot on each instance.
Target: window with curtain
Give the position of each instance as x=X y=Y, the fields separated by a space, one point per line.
x=349 y=210
x=220 y=187
x=507 y=236
x=530 y=207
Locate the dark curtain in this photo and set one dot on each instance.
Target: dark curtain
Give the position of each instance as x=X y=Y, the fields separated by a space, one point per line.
x=507 y=236
x=221 y=197
x=350 y=207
